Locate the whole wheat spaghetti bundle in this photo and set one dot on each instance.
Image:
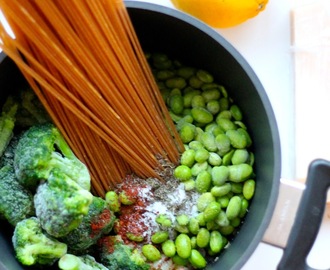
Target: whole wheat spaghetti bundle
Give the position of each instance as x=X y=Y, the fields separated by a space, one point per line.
x=84 y=61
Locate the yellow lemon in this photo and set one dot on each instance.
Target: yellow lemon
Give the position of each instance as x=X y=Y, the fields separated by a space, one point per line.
x=221 y=13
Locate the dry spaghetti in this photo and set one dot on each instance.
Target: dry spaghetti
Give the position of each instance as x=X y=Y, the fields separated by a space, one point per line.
x=84 y=61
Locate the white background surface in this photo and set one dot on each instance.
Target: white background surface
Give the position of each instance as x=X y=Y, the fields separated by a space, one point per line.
x=265 y=43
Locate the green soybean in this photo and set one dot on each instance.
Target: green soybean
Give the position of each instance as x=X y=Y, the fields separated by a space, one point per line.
x=168 y=248
x=203 y=238
x=159 y=237
x=237 y=139
x=214 y=159
x=188 y=158
x=187 y=98
x=216 y=242
x=223 y=144
x=197 y=168
x=201 y=115
x=195 y=82
x=219 y=175
x=187 y=132
x=219 y=191
x=177 y=260
x=176 y=104
x=234 y=207
x=244 y=208
x=201 y=155
x=213 y=106
x=237 y=188
x=195 y=145
x=203 y=201
x=211 y=211
x=189 y=185
x=182 y=172
x=240 y=156
x=236 y=112
x=240 y=172
x=197 y=260
x=208 y=140
x=176 y=82
x=204 y=76
x=225 y=124
x=151 y=252
x=193 y=226
x=182 y=219
x=249 y=188
x=222 y=219
x=211 y=94
x=198 y=101
x=183 y=246
x=203 y=182
x=186 y=72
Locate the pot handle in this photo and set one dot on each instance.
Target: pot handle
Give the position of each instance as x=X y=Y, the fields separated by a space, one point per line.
x=308 y=218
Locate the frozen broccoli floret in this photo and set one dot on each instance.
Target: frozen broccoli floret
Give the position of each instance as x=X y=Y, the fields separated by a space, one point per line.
x=7 y=157
x=42 y=149
x=16 y=202
x=84 y=262
x=33 y=247
x=61 y=204
x=98 y=222
x=115 y=255
x=7 y=123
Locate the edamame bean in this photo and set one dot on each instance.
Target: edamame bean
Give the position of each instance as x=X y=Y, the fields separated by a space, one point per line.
x=151 y=252
x=197 y=260
x=168 y=248
x=211 y=94
x=222 y=219
x=236 y=112
x=235 y=222
x=182 y=172
x=237 y=188
x=240 y=172
x=203 y=182
x=187 y=132
x=163 y=220
x=112 y=200
x=164 y=74
x=193 y=226
x=203 y=201
x=189 y=185
x=197 y=168
x=176 y=82
x=177 y=260
x=211 y=211
x=223 y=144
x=198 y=101
x=195 y=82
x=248 y=189
x=195 y=145
x=208 y=140
x=225 y=124
x=219 y=191
x=219 y=175
x=159 y=237
x=176 y=104
x=203 y=238
x=227 y=230
x=193 y=242
x=226 y=159
x=244 y=207
x=248 y=139
x=216 y=242
x=225 y=114
x=186 y=72
x=183 y=246
x=182 y=219
x=201 y=155
x=213 y=106
x=234 y=207
x=224 y=104
x=187 y=98
x=224 y=200
x=240 y=156
x=201 y=115
x=188 y=158
x=204 y=76
x=214 y=159
x=237 y=139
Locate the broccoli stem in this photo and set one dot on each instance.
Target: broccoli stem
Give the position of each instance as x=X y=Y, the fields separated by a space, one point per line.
x=69 y=262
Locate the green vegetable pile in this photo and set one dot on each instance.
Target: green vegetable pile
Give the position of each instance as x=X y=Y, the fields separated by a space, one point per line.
x=45 y=189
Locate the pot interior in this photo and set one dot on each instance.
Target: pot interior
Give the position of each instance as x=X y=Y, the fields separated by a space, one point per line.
x=182 y=37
